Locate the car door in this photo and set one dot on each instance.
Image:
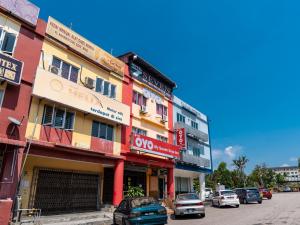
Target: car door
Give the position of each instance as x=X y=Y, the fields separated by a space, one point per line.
x=119 y=213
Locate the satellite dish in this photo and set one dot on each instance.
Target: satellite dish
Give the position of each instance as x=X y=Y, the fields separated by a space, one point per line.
x=14 y=121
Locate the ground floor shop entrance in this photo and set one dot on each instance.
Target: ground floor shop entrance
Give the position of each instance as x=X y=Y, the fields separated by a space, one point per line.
x=65 y=191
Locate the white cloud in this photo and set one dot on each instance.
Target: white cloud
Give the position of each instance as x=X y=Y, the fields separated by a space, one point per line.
x=226 y=155
x=284 y=165
x=293 y=159
x=217 y=154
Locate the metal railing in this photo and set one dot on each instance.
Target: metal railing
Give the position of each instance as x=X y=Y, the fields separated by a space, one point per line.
x=192 y=131
x=196 y=160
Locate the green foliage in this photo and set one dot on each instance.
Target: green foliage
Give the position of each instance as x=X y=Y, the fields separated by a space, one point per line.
x=262 y=176
x=196 y=185
x=135 y=191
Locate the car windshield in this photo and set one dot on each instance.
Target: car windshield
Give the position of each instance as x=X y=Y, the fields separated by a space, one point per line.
x=187 y=197
x=252 y=190
x=227 y=193
x=138 y=202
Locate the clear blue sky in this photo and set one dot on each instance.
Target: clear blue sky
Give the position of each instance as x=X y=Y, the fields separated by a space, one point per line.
x=237 y=61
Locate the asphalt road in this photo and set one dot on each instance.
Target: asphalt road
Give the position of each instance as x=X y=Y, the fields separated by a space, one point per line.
x=282 y=209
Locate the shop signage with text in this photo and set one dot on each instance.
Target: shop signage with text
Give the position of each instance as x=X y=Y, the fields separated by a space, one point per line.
x=180 y=138
x=10 y=69
x=80 y=44
x=153 y=146
x=58 y=89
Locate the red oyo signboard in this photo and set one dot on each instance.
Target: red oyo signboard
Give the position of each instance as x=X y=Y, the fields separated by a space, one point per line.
x=153 y=146
x=180 y=137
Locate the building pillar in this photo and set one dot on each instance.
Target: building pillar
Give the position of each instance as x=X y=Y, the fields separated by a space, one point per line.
x=170 y=183
x=118 y=182
x=191 y=178
x=202 y=186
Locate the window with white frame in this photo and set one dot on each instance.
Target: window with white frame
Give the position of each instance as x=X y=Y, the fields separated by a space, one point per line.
x=198 y=151
x=105 y=88
x=58 y=117
x=102 y=130
x=161 y=109
x=180 y=118
x=136 y=130
x=139 y=99
x=7 y=41
x=64 y=69
x=161 y=138
x=194 y=124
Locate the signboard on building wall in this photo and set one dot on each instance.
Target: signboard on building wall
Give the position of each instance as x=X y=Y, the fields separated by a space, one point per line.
x=153 y=146
x=181 y=138
x=75 y=41
x=63 y=91
x=22 y=9
x=143 y=76
x=10 y=69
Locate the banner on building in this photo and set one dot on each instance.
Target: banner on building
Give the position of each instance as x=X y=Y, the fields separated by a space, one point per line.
x=63 y=91
x=22 y=9
x=181 y=138
x=10 y=69
x=153 y=146
x=75 y=41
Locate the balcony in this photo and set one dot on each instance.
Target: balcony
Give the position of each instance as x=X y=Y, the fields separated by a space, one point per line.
x=192 y=132
x=198 y=161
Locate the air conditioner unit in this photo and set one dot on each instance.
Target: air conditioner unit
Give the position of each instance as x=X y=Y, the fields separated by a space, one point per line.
x=143 y=109
x=164 y=118
x=89 y=82
x=54 y=69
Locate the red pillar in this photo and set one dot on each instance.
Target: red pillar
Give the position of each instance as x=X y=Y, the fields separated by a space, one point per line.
x=118 y=182
x=170 y=183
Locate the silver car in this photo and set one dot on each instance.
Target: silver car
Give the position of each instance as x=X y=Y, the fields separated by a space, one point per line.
x=188 y=204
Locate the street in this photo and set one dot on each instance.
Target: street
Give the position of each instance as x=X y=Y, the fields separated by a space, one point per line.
x=283 y=208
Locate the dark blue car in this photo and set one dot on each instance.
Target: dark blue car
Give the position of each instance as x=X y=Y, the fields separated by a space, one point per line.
x=248 y=195
x=138 y=211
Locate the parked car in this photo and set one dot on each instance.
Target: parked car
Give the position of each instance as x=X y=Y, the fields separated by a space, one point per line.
x=265 y=193
x=208 y=193
x=140 y=210
x=188 y=204
x=225 y=197
x=247 y=195
x=287 y=189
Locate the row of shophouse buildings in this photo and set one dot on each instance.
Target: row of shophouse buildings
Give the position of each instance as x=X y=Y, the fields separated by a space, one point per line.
x=79 y=126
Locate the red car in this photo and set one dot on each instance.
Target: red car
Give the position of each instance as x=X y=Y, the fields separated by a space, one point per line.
x=266 y=193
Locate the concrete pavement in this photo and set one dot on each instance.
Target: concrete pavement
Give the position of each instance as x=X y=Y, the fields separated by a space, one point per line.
x=282 y=209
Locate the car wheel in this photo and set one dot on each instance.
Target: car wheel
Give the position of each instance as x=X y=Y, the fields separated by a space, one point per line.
x=259 y=202
x=202 y=215
x=219 y=205
x=175 y=216
x=237 y=206
x=245 y=201
x=114 y=221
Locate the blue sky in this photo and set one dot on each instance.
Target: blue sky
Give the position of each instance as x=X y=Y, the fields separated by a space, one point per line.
x=236 y=61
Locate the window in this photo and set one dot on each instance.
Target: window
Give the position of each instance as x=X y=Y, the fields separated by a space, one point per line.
x=102 y=130
x=136 y=130
x=139 y=99
x=58 y=118
x=1 y=97
x=66 y=70
x=198 y=151
x=105 y=88
x=161 y=138
x=194 y=124
x=180 y=118
x=7 y=41
x=161 y=109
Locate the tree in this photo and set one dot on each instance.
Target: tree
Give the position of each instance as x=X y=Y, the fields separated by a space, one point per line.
x=262 y=176
x=240 y=165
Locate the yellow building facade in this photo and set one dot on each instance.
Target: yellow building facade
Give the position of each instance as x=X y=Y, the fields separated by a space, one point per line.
x=75 y=122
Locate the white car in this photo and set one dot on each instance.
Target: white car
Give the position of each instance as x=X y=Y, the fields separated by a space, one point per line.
x=208 y=193
x=225 y=197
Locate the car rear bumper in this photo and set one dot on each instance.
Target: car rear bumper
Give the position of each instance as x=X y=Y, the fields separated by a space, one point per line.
x=149 y=220
x=230 y=202
x=189 y=210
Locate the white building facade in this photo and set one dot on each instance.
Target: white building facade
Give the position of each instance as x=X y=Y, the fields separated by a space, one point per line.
x=195 y=160
x=292 y=173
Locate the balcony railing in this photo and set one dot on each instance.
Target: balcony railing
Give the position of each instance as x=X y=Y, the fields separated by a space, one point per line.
x=199 y=161
x=192 y=131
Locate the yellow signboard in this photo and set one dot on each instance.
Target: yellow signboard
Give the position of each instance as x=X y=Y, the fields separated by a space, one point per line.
x=75 y=41
x=60 y=90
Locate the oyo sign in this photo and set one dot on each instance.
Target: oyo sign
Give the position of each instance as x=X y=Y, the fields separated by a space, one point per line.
x=153 y=146
x=180 y=137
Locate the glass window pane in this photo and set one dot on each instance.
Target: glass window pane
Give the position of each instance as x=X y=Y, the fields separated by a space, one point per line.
x=74 y=74
x=59 y=118
x=69 y=122
x=56 y=62
x=110 y=130
x=8 y=42
x=65 y=69
x=102 y=131
x=106 y=88
x=99 y=83
x=113 y=91
x=47 y=117
x=95 y=129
